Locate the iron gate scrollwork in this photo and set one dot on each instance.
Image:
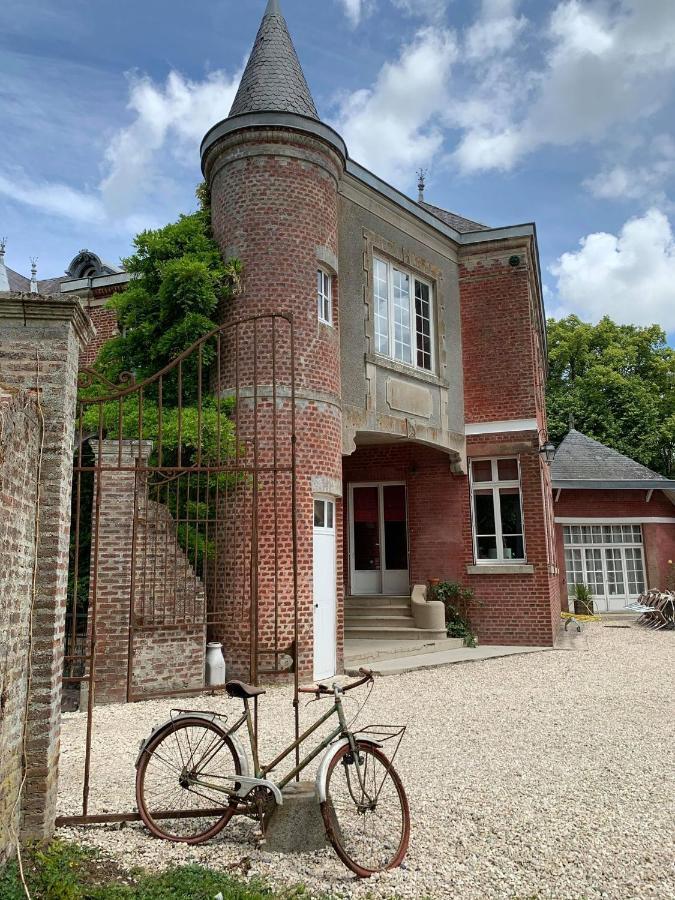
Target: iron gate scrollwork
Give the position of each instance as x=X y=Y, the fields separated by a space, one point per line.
x=184 y=527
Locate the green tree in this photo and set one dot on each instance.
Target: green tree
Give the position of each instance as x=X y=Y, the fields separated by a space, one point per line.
x=178 y=281
x=618 y=382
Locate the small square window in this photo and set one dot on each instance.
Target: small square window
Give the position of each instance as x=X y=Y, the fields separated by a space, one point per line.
x=330 y=508
x=319 y=514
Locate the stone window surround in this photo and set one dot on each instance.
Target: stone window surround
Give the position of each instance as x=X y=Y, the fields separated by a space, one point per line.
x=376 y=245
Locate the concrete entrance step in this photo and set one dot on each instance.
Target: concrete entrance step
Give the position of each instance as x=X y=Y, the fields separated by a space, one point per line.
x=391 y=633
x=376 y=600
x=371 y=609
x=379 y=621
x=362 y=652
x=399 y=665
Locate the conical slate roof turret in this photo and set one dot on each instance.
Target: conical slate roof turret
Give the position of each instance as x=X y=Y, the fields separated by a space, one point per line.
x=273 y=80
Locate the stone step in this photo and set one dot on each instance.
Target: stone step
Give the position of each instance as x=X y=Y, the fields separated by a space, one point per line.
x=392 y=634
x=362 y=652
x=376 y=600
x=379 y=622
x=367 y=612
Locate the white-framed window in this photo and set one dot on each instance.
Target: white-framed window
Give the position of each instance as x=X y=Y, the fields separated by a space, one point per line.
x=607 y=558
x=324 y=513
x=497 y=510
x=324 y=296
x=403 y=315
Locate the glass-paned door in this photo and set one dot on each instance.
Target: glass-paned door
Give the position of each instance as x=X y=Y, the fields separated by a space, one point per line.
x=597 y=555
x=379 y=539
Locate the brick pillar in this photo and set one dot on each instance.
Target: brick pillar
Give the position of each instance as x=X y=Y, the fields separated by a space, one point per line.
x=40 y=342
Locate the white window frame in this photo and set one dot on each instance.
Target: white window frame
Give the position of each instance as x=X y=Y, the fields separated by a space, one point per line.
x=573 y=539
x=324 y=296
x=412 y=278
x=495 y=485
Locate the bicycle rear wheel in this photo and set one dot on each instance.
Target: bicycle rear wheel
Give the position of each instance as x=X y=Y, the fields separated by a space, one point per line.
x=369 y=826
x=171 y=804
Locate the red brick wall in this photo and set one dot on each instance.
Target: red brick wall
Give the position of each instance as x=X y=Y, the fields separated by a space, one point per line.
x=105 y=323
x=274 y=202
x=659 y=538
x=137 y=534
x=19 y=452
x=514 y=609
x=501 y=347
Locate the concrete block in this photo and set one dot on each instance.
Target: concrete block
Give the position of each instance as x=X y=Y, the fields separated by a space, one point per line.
x=297 y=826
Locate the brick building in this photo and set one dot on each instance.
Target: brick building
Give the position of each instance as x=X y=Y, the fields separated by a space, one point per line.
x=615 y=523
x=420 y=385
x=421 y=372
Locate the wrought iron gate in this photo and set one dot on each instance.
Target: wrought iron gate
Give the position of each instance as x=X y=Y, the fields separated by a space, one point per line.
x=184 y=525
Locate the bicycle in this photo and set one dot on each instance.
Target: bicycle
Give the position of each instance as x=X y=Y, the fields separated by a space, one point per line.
x=191 y=764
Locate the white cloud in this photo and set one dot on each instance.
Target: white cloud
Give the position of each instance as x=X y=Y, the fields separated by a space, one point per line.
x=496 y=29
x=643 y=179
x=175 y=116
x=432 y=10
x=139 y=162
x=355 y=9
x=606 y=66
x=52 y=199
x=393 y=127
x=629 y=276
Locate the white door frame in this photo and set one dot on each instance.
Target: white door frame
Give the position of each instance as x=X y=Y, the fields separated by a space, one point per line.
x=324 y=590
x=382 y=581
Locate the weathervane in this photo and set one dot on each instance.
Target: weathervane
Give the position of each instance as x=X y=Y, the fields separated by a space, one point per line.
x=421 y=184
x=33 y=275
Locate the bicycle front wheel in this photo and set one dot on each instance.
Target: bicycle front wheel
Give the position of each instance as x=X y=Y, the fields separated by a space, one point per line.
x=181 y=781
x=367 y=818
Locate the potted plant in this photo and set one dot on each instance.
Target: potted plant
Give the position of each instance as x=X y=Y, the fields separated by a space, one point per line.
x=456 y=599
x=583 y=600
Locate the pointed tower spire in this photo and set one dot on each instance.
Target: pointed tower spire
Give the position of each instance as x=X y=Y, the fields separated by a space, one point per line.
x=4 y=279
x=273 y=80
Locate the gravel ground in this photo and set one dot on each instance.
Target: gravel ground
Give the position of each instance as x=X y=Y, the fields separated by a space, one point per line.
x=548 y=776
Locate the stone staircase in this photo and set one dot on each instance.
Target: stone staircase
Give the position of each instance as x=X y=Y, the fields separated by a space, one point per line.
x=378 y=618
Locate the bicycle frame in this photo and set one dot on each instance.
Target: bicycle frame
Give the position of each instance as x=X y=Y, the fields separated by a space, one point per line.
x=261 y=772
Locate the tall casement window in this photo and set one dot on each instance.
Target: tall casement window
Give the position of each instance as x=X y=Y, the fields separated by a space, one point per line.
x=497 y=511
x=403 y=316
x=324 y=291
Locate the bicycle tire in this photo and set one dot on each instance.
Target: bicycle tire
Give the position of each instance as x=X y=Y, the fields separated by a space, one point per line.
x=156 y=820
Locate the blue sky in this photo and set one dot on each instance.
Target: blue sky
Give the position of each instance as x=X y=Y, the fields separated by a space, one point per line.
x=560 y=112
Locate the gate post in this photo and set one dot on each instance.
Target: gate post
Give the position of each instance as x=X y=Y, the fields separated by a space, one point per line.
x=40 y=341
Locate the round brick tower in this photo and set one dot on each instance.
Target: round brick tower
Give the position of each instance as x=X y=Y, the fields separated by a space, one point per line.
x=273 y=170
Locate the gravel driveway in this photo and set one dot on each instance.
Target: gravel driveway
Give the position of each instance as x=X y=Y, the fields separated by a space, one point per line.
x=548 y=776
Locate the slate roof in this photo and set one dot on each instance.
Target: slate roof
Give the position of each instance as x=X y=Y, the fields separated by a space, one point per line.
x=273 y=80
x=581 y=459
x=459 y=223
x=18 y=282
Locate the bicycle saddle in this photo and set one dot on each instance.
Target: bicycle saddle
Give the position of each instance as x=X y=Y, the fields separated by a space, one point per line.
x=242 y=690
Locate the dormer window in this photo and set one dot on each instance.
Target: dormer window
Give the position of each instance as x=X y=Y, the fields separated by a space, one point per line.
x=324 y=285
x=403 y=315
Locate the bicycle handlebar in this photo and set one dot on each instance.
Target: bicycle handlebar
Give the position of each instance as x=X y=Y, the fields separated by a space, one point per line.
x=324 y=689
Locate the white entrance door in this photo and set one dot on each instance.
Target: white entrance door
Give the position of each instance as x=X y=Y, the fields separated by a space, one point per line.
x=325 y=588
x=378 y=549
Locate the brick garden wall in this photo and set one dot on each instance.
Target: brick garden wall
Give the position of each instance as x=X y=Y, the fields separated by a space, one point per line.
x=19 y=454
x=168 y=597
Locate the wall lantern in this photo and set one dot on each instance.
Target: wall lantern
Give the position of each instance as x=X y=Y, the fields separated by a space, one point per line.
x=547 y=451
